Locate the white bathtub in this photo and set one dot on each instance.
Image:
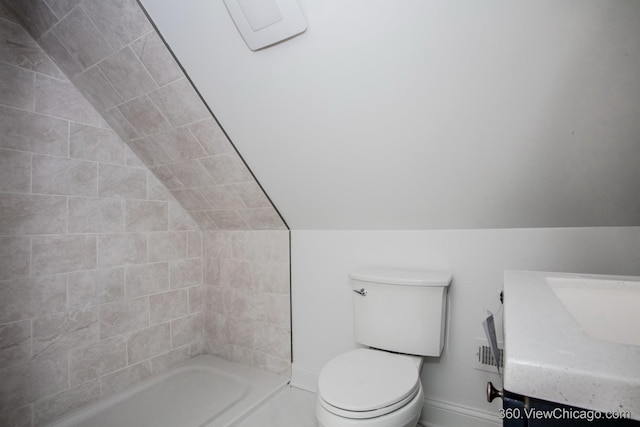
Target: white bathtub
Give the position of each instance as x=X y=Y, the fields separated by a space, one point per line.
x=205 y=391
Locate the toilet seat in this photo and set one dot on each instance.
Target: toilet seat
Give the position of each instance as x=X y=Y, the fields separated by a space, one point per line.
x=367 y=383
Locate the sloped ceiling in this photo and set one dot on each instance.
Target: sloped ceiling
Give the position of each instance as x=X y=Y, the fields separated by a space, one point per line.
x=111 y=53
x=430 y=114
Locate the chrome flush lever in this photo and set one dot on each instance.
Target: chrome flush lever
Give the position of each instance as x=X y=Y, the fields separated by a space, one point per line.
x=362 y=292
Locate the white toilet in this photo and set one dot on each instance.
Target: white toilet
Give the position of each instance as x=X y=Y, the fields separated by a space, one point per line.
x=400 y=316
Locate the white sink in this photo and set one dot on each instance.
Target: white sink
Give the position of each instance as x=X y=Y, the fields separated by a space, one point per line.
x=607 y=310
x=573 y=339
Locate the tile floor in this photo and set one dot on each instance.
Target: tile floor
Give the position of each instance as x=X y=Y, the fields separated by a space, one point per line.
x=291 y=407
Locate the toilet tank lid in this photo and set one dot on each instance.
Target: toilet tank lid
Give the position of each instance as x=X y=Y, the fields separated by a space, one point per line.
x=395 y=276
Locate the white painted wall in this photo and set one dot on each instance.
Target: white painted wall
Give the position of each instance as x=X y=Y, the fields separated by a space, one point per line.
x=322 y=297
x=413 y=114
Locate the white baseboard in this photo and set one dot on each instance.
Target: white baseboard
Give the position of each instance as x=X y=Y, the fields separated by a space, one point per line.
x=304 y=378
x=437 y=413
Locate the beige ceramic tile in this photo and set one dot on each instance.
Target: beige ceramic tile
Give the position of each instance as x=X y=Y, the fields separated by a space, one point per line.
x=32 y=214
x=179 y=103
x=59 y=98
x=228 y=220
x=120 y=21
x=223 y=197
x=62 y=332
x=211 y=136
x=82 y=39
x=278 y=309
x=132 y=159
x=97 y=89
x=124 y=316
x=144 y=116
x=262 y=218
x=163 y=363
x=19 y=417
x=212 y=271
x=61 y=254
x=179 y=218
x=156 y=58
x=148 y=342
x=146 y=279
x=252 y=195
x=185 y=272
x=156 y=189
x=192 y=200
x=127 y=74
x=19 y=49
x=203 y=220
x=95 y=215
x=31 y=380
x=195 y=299
x=17 y=86
x=125 y=378
x=35 y=18
x=166 y=176
x=121 y=182
x=7 y=15
x=57 y=175
x=186 y=330
x=29 y=297
x=218 y=244
x=23 y=130
x=15 y=343
x=226 y=168
x=149 y=151
x=95 y=287
x=93 y=360
x=142 y=215
x=15 y=171
x=121 y=249
x=97 y=144
x=61 y=7
x=236 y=273
x=120 y=124
x=261 y=245
x=168 y=305
x=166 y=246
x=15 y=257
x=214 y=299
x=194 y=244
x=191 y=174
x=57 y=405
x=179 y=144
x=60 y=54
x=272 y=277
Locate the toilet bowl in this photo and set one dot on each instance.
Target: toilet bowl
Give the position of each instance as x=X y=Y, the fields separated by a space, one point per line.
x=372 y=388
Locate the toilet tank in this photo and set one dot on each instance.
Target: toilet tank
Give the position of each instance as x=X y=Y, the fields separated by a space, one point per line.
x=400 y=310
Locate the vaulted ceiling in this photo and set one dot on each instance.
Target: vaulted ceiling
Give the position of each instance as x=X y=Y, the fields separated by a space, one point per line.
x=430 y=114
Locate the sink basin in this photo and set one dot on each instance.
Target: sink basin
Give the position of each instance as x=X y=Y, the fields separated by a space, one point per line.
x=607 y=310
x=573 y=339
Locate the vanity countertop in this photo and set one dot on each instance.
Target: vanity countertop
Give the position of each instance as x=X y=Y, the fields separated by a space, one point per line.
x=573 y=354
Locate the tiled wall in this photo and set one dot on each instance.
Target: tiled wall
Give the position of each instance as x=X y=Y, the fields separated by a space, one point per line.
x=246 y=297
x=111 y=52
x=100 y=269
